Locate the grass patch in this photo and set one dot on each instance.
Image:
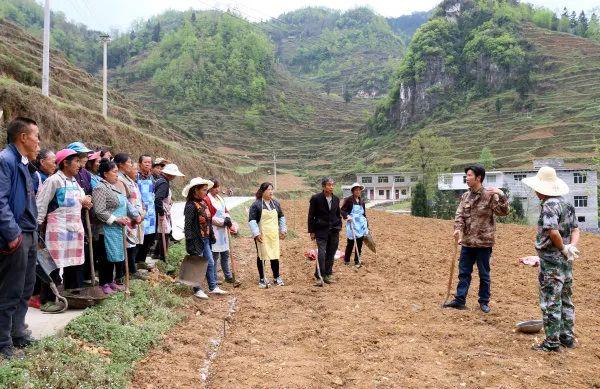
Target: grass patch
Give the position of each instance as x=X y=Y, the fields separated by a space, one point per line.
x=398 y=206
x=174 y=258
x=246 y=169
x=240 y=215
x=99 y=348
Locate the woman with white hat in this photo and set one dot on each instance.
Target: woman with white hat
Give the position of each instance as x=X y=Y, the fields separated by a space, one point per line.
x=163 y=203
x=199 y=236
x=355 y=213
x=556 y=240
x=59 y=205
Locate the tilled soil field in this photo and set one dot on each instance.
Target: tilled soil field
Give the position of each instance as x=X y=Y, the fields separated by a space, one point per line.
x=381 y=325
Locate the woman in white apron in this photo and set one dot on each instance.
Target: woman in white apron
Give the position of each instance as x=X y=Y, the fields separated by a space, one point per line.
x=59 y=205
x=268 y=226
x=221 y=222
x=354 y=212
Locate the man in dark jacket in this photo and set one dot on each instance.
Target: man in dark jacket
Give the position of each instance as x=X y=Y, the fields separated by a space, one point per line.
x=324 y=225
x=18 y=243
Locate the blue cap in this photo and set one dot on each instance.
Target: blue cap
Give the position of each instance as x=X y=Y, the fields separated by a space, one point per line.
x=79 y=147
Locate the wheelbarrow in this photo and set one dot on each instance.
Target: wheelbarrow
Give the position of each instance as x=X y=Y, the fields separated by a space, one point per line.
x=45 y=267
x=193 y=271
x=82 y=298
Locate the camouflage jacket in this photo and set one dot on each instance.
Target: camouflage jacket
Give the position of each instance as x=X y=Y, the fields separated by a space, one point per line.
x=475 y=217
x=555 y=214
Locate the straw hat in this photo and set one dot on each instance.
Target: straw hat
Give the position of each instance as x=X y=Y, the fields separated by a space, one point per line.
x=547 y=182
x=159 y=161
x=172 y=170
x=195 y=182
x=356 y=184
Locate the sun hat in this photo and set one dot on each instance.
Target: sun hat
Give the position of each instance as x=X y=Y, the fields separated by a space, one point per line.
x=159 y=161
x=94 y=156
x=356 y=184
x=64 y=153
x=547 y=182
x=79 y=147
x=172 y=170
x=195 y=182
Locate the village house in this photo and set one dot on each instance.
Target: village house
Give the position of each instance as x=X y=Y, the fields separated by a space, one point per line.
x=582 y=181
x=386 y=186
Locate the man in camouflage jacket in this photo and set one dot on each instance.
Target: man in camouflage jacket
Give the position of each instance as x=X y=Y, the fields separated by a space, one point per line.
x=556 y=240
x=474 y=229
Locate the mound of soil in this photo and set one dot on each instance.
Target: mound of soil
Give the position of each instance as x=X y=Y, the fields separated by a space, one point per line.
x=381 y=325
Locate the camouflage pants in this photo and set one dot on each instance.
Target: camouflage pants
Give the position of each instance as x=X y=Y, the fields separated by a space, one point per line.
x=556 y=301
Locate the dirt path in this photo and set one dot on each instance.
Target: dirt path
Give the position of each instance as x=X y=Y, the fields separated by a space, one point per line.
x=382 y=326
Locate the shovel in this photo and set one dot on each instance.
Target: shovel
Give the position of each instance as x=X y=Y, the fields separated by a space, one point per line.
x=127 y=292
x=233 y=264
x=355 y=244
x=452 y=264
x=193 y=270
x=320 y=283
x=45 y=266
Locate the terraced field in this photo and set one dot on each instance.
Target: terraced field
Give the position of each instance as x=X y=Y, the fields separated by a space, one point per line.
x=564 y=121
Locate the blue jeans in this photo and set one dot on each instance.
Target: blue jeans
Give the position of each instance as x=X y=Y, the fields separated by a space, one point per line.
x=224 y=255
x=211 y=271
x=468 y=257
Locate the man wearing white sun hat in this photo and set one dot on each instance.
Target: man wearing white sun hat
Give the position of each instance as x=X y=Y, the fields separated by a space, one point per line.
x=163 y=203
x=556 y=240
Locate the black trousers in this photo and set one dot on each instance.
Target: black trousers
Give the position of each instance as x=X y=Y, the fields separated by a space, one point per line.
x=274 y=268
x=131 y=252
x=46 y=294
x=107 y=269
x=327 y=245
x=17 y=279
x=350 y=249
x=159 y=253
x=144 y=248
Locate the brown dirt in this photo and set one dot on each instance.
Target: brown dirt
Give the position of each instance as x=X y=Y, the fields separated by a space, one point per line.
x=537 y=134
x=382 y=325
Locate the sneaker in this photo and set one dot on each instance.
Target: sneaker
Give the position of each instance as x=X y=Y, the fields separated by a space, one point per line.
x=545 y=347
x=263 y=283
x=52 y=307
x=279 y=281
x=116 y=287
x=358 y=265
x=455 y=304
x=485 y=308
x=34 y=302
x=568 y=343
x=217 y=290
x=10 y=352
x=328 y=279
x=231 y=280
x=107 y=289
x=24 y=341
x=201 y=295
x=347 y=263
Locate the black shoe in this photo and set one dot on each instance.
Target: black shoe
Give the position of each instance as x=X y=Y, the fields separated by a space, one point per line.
x=23 y=342
x=485 y=308
x=545 y=347
x=455 y=304
x=327 y=279
x=9 y=352
x=568 y=343
x=347 y=263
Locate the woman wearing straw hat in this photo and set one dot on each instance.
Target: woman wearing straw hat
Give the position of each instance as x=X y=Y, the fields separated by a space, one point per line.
x=199 y=235
x=354 y=212
x=59 y=205
x=162 y=204
x=556 y=240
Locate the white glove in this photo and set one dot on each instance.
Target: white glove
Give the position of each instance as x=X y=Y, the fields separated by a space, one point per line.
x=571 y=252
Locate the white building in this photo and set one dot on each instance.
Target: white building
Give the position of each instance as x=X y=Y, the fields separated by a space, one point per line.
x=582 y=181
x=386 y=186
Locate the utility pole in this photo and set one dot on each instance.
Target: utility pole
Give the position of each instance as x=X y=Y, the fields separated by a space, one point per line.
x=274 y=172
x=46 y=51
x=105 y=39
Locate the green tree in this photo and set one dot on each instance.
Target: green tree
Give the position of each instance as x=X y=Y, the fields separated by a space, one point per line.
x=444 y=204
x=418 y=205
x=498 y=106
x=347 y=95
x=431 y=155
x=486 y=158
x=582 y=25
x=563 y=24
x=594 y=28
x=517 y=206
x=573 y=21
x=156 y=32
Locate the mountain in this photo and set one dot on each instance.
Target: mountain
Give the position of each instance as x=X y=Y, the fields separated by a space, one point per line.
x=481 y=73
x=72 y=112
x=406 y=25
x=355 y=50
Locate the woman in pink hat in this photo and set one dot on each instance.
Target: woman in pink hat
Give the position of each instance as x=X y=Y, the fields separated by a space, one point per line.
x=59 y=205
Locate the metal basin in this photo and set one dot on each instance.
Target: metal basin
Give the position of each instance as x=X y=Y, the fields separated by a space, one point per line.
x=530 y=326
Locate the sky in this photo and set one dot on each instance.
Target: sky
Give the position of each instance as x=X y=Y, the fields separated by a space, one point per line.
x=107 y=15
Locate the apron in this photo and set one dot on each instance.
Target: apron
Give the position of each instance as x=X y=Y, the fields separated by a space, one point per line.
x=359 y=222
x=269 y=229
x=166 y=227
x=64 y=229
x=147 y=191
x=135 y=232
x=222 y=243
x=113 y=234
